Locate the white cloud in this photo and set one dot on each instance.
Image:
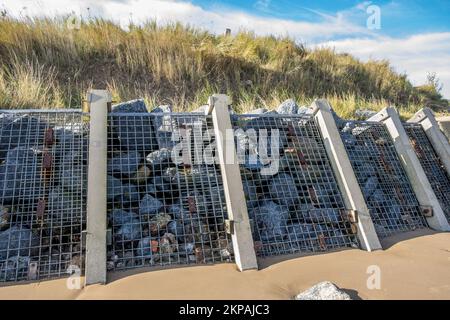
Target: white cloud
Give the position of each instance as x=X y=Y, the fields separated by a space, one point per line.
x=415 y=55
x=215 y=20
x=262 y=4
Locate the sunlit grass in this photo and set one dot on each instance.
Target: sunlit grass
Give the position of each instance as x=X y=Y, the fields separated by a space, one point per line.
x=46 y=64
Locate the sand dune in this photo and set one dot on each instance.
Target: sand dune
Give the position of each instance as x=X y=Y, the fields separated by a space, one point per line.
x=413 y=266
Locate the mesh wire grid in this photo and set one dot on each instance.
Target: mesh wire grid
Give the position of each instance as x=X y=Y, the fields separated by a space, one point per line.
x=386 y=188
x=298 y=206
x=166 y=201
x=43 y=156
x=431 y=163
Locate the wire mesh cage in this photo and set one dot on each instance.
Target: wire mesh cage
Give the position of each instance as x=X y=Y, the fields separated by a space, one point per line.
x=431 y=163
x=292 y=195
x=386 y=188
x=43 y=157
x=165 y=196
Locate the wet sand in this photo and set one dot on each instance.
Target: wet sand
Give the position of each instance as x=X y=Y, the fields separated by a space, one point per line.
x=415 y=265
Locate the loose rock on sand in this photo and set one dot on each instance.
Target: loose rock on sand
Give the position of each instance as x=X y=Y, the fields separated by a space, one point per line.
x=323 y=291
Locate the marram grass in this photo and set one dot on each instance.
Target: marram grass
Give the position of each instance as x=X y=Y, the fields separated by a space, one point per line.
x=45 y=64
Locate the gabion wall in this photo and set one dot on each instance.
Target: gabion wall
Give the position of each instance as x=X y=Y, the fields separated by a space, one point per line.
x=165 y=197
x=388 y=193
x=298 y=207
x=431 y=164
x=163 y=211
x=43 y=169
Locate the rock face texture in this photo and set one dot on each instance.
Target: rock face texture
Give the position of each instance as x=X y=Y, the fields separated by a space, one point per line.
x=13 y=128
x=17 y=241
x=20 y=174
x=134 y=132
x=165 y=126
x=283 y=189
x=43 y=179
x=271 y=220
x=162 y=211
x=392 y=203
x=288 y=107
x=149 y=205
x=159 y=159
x=323 y=291
x=297 y=208
x=124 y=163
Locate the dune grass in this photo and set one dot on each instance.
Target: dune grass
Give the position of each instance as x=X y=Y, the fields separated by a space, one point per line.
x=46 y=64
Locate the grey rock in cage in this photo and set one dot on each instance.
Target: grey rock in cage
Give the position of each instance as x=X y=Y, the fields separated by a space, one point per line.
x=161 y=212
x=388 y=193
x=299 y=208
x=42 y=193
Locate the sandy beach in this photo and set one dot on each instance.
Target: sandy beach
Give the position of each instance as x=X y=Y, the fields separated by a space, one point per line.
x=413 y=265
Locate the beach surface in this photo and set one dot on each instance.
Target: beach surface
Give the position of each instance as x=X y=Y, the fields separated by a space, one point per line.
x=413 y=265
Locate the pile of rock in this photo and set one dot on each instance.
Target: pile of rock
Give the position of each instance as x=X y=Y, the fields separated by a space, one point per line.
x=160 y=211
x=325 y=290
x=290 y=107
x=383 y=183
x=298 y=207
x=42 y=179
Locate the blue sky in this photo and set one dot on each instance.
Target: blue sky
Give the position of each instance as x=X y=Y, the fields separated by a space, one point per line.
x=413 y=35
x=399 y=18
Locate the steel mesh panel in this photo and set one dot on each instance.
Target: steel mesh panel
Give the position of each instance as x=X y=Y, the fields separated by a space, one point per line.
x=388 y=193
x=164 y=210
x=297 y=207
x=431 y=164
x=43 y=157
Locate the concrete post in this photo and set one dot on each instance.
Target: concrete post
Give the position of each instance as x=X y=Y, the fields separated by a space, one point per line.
x=96 y=198
x=244 y=252
x=411 y=164
x=348 y=184
x=431 y=127
x=444 y=124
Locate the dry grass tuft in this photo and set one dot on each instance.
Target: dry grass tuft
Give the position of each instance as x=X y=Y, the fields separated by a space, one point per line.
x=46 y=64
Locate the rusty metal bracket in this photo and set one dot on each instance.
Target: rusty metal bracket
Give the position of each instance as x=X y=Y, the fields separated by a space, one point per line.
x=109 y=237
x=47 y=161
x=301 y=158
x=229 y=226
x=353 y=228
x=313 y=195
x=191 y=204
x=322 y=242
x=32 y=270
x=426 y=211
x=252 y=225
x=49 y=137
x=352 y=216
x=291 y=130
x=40 y=210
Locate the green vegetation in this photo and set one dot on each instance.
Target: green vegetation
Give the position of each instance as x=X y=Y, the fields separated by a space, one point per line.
x=43 y=64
